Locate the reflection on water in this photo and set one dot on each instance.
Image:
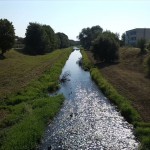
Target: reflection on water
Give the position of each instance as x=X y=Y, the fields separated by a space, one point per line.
x=87 y=119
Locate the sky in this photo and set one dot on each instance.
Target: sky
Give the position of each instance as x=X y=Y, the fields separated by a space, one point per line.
x=71 y=16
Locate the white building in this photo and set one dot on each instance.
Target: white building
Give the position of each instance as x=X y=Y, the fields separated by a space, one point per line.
x=133 y=36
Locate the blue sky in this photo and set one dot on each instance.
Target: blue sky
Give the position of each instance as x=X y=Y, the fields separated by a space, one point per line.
x=71 y=16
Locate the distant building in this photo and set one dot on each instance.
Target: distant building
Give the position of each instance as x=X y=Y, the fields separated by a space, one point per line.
x=133 y=36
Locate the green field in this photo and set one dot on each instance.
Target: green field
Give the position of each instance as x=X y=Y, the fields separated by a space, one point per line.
x=26 y=108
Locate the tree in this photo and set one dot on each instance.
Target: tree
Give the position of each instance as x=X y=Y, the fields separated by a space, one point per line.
x=106 y=46
x=87 y=35
x=122 y=42
x=50 y=38
x=57 y=42
x=64 y=41
x=39 y=39
x=7 y=35
x=141 y=44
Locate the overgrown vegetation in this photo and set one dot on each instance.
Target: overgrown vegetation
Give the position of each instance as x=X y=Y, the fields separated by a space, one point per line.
x=142 y=129
x=106 y=47
x=7 y=35
x=142 y=44
x=87 y=35
x=104 y=44
x=25 y=114
x=41 y=39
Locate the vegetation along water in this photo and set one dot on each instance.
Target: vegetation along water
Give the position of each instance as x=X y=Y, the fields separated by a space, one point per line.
x=142 y=128
x=26 y=113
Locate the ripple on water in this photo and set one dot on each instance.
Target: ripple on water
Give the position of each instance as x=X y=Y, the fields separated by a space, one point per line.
x=88 y=120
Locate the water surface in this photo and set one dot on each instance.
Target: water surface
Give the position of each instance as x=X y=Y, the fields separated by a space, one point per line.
x=87 y=120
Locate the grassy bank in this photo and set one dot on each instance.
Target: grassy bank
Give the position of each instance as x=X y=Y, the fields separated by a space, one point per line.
x=142 y=129
x=26 y=112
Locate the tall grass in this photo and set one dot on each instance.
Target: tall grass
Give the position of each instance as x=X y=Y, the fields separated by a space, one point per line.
x=85 y=61
x=142 y=129
x=31 y=109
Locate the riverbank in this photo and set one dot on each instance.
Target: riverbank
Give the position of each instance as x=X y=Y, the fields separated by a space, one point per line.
x=26 y=112
x=142 y=129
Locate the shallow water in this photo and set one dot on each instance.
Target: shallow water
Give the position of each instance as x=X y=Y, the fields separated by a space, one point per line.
x=87 y=120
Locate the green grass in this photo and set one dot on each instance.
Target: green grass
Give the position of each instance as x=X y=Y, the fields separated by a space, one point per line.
x=28 y=111
x=142 y=129
x=18 y=70
x=27 y=133
x=86 y=62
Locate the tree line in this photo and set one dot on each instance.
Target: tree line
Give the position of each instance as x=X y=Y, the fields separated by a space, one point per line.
x=39 y=38
x=103 y=44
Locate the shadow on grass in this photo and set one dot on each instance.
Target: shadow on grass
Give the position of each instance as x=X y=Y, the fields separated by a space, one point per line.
x=101 y=65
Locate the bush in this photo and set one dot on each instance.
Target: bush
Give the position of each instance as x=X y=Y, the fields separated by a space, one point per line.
x=105 y=47
x=141 y=44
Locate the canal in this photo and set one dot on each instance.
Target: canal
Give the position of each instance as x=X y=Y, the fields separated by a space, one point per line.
x=87 y=119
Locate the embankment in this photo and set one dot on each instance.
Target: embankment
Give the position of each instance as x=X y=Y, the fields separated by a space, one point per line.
x=26 y=112
x=142 y=129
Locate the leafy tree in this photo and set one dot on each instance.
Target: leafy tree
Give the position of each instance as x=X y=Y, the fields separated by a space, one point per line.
x=106 y=46
x=57 y=42
x=7 y=35
x=64 y=41
x=141 y=44
x=74 y=43
x=122 y=42
x=39 y=39
x=87 y=35
x=50 y=38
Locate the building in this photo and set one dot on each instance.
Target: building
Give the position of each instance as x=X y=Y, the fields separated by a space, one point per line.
x=133 y=36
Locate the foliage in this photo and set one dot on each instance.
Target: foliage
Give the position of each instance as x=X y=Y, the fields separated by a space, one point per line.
x=85 y=61
x=142 y=129
x=31 y=109
x=74 y=43
x=148 y=46
x=122 y=42
x=39 y=39
x=57 y=42
x=50 y=45
x=64 y=41
x=141 y=44
x=87 y=35
x=7 y=35
x=106 y=46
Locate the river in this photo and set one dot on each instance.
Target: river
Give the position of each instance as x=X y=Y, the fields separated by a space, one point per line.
x=87 y=119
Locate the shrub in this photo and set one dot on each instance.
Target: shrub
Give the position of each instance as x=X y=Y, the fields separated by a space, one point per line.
x=106 y=47
x=141 y=44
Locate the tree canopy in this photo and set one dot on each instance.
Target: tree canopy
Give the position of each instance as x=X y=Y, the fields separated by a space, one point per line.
x=39 y=39
x=106 y=46
x=87 y=35
x=7 y=35
x=63 y=39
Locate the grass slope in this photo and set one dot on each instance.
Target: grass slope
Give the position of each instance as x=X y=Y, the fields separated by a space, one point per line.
x=126 y=107
x=25 y=113
x=18 y=70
